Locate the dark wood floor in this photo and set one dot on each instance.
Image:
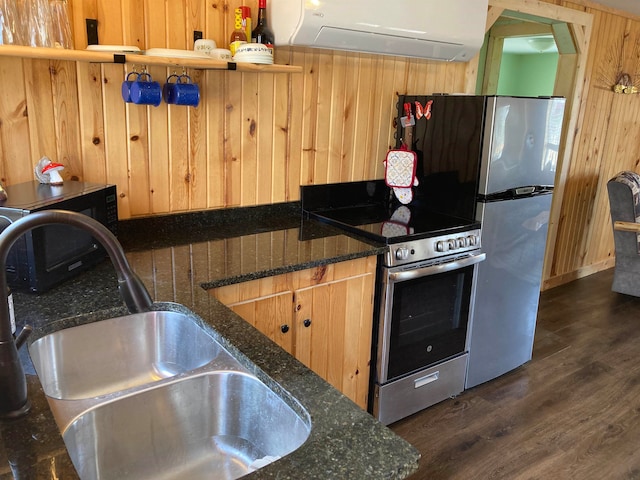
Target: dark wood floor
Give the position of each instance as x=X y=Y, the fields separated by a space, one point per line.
x=573 y=412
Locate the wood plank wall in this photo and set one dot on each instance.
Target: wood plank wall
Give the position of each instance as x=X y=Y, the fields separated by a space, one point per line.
x=256 y=138
x=605 y=143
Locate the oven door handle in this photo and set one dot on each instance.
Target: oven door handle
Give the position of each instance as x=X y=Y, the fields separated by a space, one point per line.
x=436 y=269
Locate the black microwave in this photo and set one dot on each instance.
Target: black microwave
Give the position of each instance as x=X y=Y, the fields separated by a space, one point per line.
x=48 y=255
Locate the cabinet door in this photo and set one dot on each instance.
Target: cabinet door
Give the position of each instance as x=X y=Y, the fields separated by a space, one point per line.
x=271 y=315
x=333 y=323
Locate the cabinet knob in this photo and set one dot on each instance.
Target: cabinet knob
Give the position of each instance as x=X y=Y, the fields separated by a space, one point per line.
x=307 y=322
x=284 y=328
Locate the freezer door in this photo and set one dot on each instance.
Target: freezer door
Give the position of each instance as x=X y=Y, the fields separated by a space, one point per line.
x=507 y=286
x=521 y=142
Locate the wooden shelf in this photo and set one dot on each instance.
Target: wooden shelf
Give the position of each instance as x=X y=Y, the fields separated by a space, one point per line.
x=137 y=59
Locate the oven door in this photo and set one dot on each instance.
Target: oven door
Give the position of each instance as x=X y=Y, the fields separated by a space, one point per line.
x=425 y=314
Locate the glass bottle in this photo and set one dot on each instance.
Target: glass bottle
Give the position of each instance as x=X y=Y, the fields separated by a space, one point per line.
x=238 y=36
x=262 y=33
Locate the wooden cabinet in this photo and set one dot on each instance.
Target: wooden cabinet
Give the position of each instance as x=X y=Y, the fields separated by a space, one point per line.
x=323 y=316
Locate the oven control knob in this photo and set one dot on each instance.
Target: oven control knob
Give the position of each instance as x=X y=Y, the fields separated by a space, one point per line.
x=452 y=244
x=441 y=246
x=473 y=240
x=462 y=242
x=402 y=253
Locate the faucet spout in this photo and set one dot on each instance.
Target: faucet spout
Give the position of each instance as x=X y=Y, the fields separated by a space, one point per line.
x=13 y=385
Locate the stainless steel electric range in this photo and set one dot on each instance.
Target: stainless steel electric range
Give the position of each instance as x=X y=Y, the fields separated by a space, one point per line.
x=424 y=291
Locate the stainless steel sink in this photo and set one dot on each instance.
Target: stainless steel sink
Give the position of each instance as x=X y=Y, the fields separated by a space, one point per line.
x=155 y=396
x=218 y=425
x=120 y=353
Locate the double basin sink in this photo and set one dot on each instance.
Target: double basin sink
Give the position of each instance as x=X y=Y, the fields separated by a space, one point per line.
x=154 y=395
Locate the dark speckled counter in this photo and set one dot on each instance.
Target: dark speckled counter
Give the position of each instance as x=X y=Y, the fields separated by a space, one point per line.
x=239 y=245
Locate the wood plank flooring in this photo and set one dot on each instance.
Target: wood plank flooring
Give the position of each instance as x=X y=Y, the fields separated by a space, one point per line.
x=573 y=412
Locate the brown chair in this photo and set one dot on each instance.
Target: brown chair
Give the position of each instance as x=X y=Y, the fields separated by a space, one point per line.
x=624 y=204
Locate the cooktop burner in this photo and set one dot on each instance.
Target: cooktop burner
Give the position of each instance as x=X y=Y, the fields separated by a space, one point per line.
x=373 y=213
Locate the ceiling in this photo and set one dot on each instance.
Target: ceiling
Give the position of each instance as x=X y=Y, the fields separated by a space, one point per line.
x=529 y=45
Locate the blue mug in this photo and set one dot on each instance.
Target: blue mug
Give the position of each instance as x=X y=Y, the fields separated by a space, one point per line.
x=144 y=91
x=126 y=86
x=181 y=92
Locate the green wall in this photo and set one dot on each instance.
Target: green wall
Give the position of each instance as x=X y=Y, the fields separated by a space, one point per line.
x=527 y=75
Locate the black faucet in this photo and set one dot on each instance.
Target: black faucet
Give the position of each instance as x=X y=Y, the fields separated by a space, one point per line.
x=13 y=384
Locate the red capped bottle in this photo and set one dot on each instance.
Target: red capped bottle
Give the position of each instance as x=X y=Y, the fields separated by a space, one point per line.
x=262 y=33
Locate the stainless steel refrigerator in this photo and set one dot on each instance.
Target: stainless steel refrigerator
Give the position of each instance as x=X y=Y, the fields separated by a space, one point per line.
x=518 y=160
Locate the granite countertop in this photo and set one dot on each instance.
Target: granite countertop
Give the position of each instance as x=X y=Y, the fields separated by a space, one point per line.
x=222 y=247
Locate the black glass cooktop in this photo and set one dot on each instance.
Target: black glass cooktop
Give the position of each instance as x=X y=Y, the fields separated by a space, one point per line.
x=370 y=210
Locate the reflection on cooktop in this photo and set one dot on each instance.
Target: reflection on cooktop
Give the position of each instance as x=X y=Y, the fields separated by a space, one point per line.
x=403 y=223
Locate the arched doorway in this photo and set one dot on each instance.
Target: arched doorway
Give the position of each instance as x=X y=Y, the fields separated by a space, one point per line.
x=571 y=31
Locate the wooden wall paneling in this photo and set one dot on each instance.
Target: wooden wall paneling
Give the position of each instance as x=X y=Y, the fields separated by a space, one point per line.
x=216 y=22
x=252 y=151
x=14 y=123
x=581 y=29
x=215 y=106
x=233 y=140
x=133 y=25
x=265 y=122
x=600 y=244
x=362 y=115
x=79 y=11
x=295 y=95
x=155 y=24
x=308 y=104
x=179 y=154
x=386 y=102
x=584 y=170
x=280 y=138
x=348 y=154
x=40 y=111
x=110 y=22
x=626 y=115
x=196 y=19
x=178 y=116
x=116 y=136
x=138 y=154
x=176 y=25
x=337 y=131
x=91 y=120
x=160 y=174
x=324 y=120
x=198 y=161
x=66 y=112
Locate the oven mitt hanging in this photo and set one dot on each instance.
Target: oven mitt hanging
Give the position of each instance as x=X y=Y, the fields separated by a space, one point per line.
x=400 y=173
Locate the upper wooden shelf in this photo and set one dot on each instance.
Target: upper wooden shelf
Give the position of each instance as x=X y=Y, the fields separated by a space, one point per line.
x=107 y=57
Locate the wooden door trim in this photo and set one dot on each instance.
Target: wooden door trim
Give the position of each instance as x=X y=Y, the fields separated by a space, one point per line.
x=571 y=86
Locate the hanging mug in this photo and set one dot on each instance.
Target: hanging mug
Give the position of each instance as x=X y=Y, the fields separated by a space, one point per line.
x=181 y=92
x=144 y=91
x=126 y=86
